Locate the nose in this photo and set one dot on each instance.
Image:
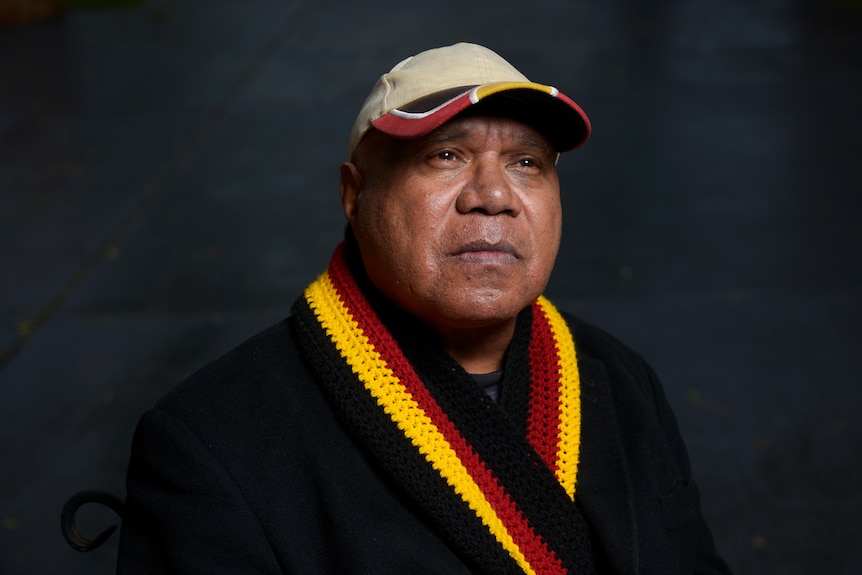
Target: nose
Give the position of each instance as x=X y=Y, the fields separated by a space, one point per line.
x=488 y=190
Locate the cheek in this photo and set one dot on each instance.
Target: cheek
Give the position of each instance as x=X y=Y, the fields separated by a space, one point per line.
x=547 y=226
x=548 y=220
x=423 y=218
x=557 y=230
x=396 y=238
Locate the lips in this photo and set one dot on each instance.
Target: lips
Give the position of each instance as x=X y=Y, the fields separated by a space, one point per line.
x=487 y=252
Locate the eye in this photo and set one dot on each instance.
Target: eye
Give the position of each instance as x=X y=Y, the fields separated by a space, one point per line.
x=444 y=159
x=527 y=164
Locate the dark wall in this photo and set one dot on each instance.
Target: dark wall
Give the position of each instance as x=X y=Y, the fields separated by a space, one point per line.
x=168 y=185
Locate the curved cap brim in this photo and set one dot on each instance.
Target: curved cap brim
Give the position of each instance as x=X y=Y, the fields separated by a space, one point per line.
x=546 y=109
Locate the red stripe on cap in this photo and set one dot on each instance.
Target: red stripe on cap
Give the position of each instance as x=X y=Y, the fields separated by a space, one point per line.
x=581 y=113
x=400 y=124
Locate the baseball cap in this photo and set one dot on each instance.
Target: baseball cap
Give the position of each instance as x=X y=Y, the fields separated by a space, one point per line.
x=425 y=91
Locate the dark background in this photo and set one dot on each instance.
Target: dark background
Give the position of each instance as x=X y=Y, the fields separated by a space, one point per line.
x=169 y=184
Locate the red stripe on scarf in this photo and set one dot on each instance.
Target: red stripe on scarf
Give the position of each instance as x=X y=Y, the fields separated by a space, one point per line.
x=545 y=412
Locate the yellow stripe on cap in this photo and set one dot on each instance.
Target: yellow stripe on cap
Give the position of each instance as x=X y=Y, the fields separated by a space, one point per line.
x=486 y=90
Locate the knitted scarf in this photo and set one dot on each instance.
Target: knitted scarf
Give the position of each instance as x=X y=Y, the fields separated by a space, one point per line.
x=496 y=481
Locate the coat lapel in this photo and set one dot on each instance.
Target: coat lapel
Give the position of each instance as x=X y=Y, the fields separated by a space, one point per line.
x=604 y=491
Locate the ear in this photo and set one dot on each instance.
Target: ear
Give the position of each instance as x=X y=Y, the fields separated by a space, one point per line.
x=351 y=184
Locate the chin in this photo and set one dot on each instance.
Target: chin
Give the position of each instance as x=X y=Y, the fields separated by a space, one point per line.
x=479 y=313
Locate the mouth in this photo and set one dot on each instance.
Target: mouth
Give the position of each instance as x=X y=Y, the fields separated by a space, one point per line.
x=485 y=252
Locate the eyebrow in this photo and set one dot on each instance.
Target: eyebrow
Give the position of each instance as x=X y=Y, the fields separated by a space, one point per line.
x=541 y=142
x=440 y=137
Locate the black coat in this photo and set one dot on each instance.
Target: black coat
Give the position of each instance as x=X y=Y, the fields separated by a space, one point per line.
x=245 y=468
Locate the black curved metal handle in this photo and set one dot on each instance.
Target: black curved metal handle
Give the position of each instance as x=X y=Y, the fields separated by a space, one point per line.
x=67 y=519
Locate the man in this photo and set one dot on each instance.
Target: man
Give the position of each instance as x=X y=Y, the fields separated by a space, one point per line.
x=425 y=409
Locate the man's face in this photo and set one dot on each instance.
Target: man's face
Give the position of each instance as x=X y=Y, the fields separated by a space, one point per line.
x=461 y=227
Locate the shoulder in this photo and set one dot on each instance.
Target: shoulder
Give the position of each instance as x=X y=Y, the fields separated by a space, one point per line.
x=630 y=377
x=598 y=344
x=265 y=376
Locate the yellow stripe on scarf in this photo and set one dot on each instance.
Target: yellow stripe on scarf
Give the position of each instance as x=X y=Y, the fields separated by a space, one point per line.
x=568 y=447
x=400 y=406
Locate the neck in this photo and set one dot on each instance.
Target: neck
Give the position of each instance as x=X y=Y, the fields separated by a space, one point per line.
x=479 y=350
